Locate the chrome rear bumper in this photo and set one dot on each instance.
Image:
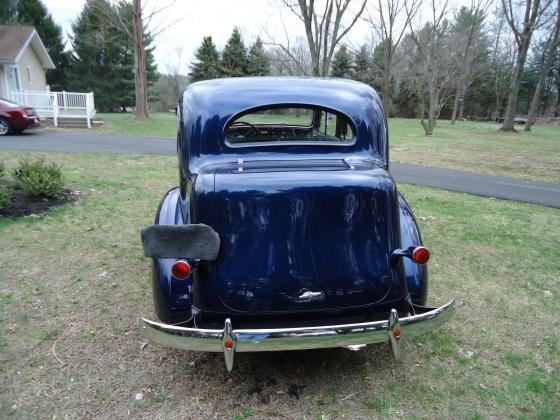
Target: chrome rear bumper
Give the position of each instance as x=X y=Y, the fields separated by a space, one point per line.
x=230 y=341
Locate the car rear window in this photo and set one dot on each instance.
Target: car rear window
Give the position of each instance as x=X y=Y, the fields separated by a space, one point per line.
x=290 y=125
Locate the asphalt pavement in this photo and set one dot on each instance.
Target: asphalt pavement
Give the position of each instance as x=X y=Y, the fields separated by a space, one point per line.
x=45 y=140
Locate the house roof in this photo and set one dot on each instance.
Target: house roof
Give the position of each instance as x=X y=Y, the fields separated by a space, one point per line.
x=14 y=40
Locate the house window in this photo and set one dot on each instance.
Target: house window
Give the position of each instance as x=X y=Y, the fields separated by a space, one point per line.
x=29 y=74
x=15 y=78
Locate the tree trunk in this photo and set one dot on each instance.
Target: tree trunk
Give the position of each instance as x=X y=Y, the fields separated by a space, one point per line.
x=514 y=87
x=386 y=79
x=536 y=96
x=431 y=117
x=429 y=125
x=140 y=78
x=426 y=126
x=547 y=62
x=533 y=13
x=496 y=70
x=547 y=93
x=385 y=94
x=557 y=107
x=455 y=105
x=432 y=102
x=459 y=94
x=461 y=107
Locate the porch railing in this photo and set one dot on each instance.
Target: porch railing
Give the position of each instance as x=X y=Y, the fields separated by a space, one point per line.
x=57 y=105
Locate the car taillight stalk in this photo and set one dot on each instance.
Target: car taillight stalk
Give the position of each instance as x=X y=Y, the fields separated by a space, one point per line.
x=418 y=254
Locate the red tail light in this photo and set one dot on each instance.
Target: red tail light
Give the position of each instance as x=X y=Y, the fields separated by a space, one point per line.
x=181 y=269
x=420 y=255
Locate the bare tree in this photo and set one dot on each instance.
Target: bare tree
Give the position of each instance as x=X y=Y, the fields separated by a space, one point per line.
x=523 y=33
x=387 y=21
x=324 y=29
x=132 y=18
x=546 y=63
x=173 y=70
x=432 y=69
x=468 y=55
x=501 y=61
x=495 y=56
x=290 y=59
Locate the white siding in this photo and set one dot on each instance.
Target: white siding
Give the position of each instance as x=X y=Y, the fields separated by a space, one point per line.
x=29 y=60
x=3 y=93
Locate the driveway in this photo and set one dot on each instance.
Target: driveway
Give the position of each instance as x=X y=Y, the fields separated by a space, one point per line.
x=506 y=188
x=46 y=140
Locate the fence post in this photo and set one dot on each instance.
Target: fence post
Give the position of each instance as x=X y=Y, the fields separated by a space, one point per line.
x=55 y=109
x=92 y=103
x=88 y=114
x=64 y=99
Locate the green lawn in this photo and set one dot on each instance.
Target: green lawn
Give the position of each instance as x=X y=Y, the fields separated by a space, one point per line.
x=469 y=146
x=160 y=124
x=74 y=281
x=479 y=147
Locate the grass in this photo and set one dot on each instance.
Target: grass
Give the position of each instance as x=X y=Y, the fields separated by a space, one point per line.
x=74 y=281
x=469 y=146
x=160 y=124
x=479 y=147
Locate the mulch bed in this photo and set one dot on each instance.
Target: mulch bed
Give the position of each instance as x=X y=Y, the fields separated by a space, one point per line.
x=23 y=205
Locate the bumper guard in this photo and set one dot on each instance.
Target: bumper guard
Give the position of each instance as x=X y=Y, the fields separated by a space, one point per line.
x=230 y=341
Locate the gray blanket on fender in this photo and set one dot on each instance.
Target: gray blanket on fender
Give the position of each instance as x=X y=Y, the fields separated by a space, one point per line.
x=181 y=241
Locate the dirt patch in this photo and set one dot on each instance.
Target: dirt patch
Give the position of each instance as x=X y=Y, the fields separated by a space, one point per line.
x=295 y=390
x=260 y=384
x=23 y=205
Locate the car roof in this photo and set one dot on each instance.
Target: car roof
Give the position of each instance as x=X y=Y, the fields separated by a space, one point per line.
x=208 y=106
x=234 y=94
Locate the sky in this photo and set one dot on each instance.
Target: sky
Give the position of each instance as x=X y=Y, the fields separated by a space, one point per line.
x=189 y=21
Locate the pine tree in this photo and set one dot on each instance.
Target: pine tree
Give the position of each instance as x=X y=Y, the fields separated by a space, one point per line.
x=34 y=13
x=8 y=12
x=362 y=66
x=234 y=57
x=341 y=65
x=258 y=61
x=381 y=79
x=92 y=64
x=208 y=61
x=103 y=59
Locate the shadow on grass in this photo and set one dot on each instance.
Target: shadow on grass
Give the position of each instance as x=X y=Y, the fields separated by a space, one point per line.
x=283 y=374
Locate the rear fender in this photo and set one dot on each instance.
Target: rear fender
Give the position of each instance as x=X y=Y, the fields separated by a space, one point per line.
x=416 y=275
x=172 y=298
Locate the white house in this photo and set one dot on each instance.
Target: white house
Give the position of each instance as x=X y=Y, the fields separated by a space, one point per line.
x=23 y=64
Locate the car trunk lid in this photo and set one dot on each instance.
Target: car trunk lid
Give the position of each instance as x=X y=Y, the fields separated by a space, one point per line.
x=303 y=235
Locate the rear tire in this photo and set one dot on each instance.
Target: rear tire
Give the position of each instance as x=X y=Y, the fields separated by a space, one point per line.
x=5 y=127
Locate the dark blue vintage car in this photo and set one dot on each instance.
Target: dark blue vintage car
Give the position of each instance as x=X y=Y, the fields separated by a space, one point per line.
x=287 y=231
